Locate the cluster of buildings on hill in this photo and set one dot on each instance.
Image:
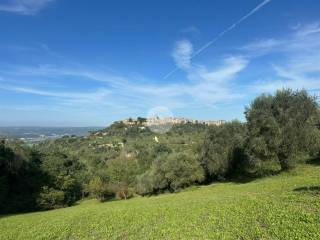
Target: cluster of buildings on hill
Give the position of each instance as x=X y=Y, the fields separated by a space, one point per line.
x=169 y=120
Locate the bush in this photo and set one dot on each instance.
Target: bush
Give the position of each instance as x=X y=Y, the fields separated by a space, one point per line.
x=50 y=198
x=144 y=184
x=122 y=191
x=122 y=174
x=170 y=172
x=97 y=188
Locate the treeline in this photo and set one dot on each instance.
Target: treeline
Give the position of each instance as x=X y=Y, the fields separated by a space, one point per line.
x=30 y=181
x=280 y=131
x=20 y=178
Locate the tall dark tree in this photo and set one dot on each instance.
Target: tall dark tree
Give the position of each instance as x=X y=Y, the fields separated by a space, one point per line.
x=21 y=178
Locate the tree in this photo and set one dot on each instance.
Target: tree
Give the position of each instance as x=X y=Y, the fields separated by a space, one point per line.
x=161 y=149
x=141 y=120
x=50 y=198
x=282 y=128
x=97 y=188
x=170 y=172
x=64 y=174
x=182 y=170
x=264 y=134
x=222 y=151
x=122 y=173
x=21 y=177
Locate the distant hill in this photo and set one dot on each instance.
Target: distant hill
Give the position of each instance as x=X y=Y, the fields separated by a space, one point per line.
x=38 y=134
x=169 y=120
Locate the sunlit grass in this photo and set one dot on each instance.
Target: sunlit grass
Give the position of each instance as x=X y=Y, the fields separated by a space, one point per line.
x=286 y=206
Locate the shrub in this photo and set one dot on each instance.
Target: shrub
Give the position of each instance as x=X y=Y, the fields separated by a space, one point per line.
x=97 y=188
x=170 y=172
x=50 y=198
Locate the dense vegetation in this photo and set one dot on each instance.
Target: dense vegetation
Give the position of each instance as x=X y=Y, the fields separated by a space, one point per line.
x=122 y=160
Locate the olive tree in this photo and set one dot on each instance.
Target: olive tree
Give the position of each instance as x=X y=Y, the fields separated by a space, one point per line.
x=282 y=127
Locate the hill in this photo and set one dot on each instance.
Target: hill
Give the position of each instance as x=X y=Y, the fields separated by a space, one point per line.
x=286 y=206
x=126 y=159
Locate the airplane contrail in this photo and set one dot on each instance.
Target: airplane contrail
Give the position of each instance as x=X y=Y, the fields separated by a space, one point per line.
x=221 y=34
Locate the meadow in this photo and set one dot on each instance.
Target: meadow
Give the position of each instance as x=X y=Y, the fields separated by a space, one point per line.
x=285 y=206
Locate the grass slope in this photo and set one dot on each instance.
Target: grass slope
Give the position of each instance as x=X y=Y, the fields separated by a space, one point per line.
x=286 y=206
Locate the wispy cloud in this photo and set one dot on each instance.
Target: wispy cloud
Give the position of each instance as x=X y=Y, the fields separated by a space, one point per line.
x=293 y=62
x=203 y=85
x=308 y=29
x=182 y=54
x=261 y=46
x=221 y=34
x=74 y=70
x=24 y=7
x=96 y=97
x=299 y=65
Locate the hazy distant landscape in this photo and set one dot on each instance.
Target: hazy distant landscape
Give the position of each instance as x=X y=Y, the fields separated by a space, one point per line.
x=37 y=134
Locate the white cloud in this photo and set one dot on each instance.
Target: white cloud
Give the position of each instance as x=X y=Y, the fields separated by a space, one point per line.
x=306 y=30
x=304 y=38
x=299 y=67
x=262 y=46
x=182 y=54
x=221 y=34
x=202 y=86
x=24 y=7
x=96 y=97
x=216 y=85
x=231 y=66
x=294 y=63
x=75 y=70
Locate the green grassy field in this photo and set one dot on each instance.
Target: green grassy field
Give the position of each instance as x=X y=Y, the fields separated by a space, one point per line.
x=286 y=206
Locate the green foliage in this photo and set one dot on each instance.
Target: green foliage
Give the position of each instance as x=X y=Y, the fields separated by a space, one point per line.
x=21 y=178
x=50 y=198
x=222 y=150
x=97 y=188
x=170 y=171
x=141 y=120
x=182 y=170
x=282 y=128
x=122 y=160
x=122 y=173
x=161 y=149
x=64 y=174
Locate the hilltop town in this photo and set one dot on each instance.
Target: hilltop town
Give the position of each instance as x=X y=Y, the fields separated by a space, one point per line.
x=153 y=121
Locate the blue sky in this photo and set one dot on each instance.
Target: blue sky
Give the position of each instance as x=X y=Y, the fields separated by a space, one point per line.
x=88 y=63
